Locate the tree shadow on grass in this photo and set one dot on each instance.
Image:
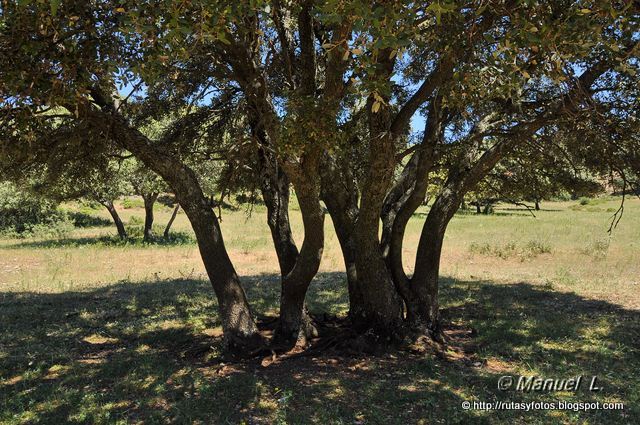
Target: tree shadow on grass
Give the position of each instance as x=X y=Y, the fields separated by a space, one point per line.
x=175 y=238
x=147 y=352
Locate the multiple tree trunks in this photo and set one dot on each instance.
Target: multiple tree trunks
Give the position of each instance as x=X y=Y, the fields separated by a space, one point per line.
x=384 y=301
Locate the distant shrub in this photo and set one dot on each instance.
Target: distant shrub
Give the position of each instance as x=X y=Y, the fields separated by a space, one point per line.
x=166 y=200
x=83 y=219
x=57 y=229
x=129 y=203
x=596 y=249
x=24 y=213
x=136 y=235
x=135 y=220
x=88 y=205
x=511 y=249
x=538 y=247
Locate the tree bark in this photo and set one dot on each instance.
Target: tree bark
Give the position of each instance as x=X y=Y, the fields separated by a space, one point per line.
x=149 y=202
x=276 y=193
x=422 y=304
x=340 y=195
x=171 y=220
x=240 y=331
x=295 y=325
x=122 y=232
x=381 y=311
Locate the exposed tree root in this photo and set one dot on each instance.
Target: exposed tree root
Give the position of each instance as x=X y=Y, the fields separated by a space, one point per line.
x=335 y=336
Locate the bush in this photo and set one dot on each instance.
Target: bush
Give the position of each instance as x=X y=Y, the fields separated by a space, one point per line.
x=84 y=218
x=23 y=213
x=511 y=249
x=597 y=249
x=135 y=220
x=57 y=229
x=129 y=203
x=135 y=235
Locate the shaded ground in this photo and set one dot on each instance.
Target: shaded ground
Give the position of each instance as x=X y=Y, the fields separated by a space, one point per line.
x=148 y=352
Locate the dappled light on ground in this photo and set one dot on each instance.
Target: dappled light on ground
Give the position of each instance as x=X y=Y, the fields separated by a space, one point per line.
x=150 y=352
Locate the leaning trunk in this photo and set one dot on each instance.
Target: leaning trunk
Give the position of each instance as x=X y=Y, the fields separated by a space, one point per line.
x=240 y=331
x=171 y=220
x=122 y=232
x=422 y=305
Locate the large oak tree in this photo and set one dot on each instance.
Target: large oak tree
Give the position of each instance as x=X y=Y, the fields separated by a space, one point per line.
x=324 y=94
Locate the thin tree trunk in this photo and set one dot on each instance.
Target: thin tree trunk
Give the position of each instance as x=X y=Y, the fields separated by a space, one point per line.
x=171 y=220
x=341 y=198
x=276 y=193
x=297 y=269
x=537 y=204
x=149 y=202
x=122 y=232
x=295 y=324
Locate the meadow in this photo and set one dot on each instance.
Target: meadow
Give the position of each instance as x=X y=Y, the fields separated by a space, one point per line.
x=96 y=330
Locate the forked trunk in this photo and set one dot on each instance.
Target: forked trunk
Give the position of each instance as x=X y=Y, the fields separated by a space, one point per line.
x=295 y=325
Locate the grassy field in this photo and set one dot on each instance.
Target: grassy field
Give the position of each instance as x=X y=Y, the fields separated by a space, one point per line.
x=93 y=330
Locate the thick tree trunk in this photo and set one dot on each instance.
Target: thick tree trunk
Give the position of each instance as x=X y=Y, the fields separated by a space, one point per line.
x=149 y=202
x=171 y=220
x=240 y=331
x=537 y=204
x=122 y=232
x=422 y=306
x=381 y=310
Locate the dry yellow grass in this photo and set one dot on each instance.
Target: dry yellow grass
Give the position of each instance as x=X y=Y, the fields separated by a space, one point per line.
x=583 y=258
x=96 y=331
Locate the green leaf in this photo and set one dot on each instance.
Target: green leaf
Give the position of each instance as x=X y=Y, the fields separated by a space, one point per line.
x=54 y=6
